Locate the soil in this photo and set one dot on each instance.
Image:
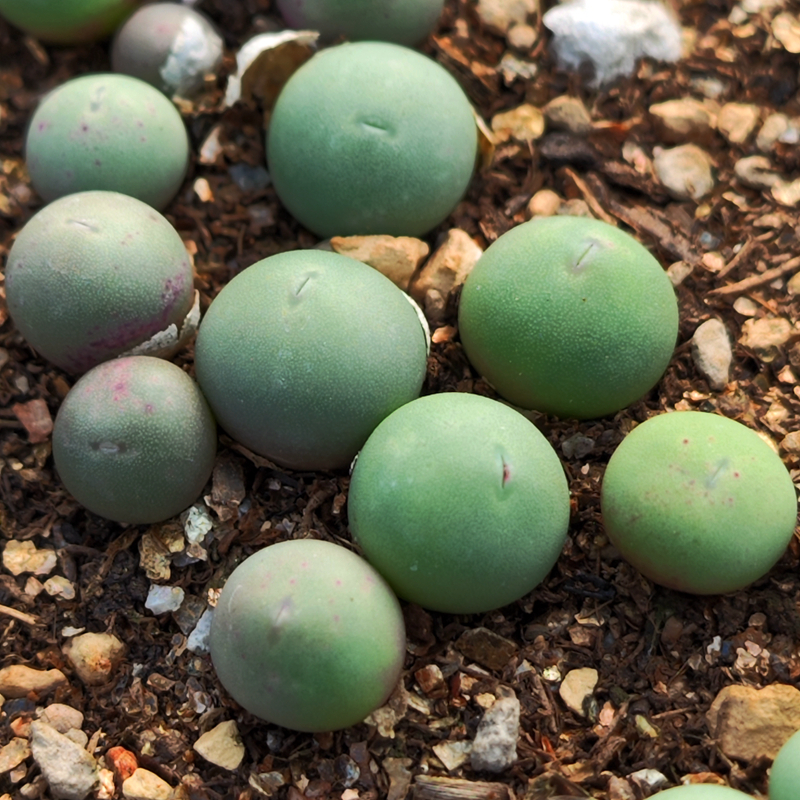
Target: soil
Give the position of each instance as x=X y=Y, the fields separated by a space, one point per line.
x=654 y=649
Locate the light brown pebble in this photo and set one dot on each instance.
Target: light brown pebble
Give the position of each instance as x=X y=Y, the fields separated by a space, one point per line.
x=94 y=656
x=19 y=681
x=545 y=203
x=145 y=785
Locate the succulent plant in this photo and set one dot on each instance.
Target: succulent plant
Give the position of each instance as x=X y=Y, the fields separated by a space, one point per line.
x=698 y=502
x=170 y=46
x=307 y=635
x=569 y=316
x=407 y=22
x=371 y=138
x=97 y=274
x=110 y=132
x=459 y=502
x=134 y=440
x=784 y=777
x=70 y=22
x=701 y=791
x=304 y=353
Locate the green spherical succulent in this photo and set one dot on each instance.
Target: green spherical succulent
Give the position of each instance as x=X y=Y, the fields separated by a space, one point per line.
x=134 y=440
x=67 y=21
x=110 y=132
x=701 y=791
x=308 y=636
x=97 y=274
x=304 y=353
x=459 y=502
x=784 y=777
x=168 y=45
x=569 y=316
x=371 y=138
x=698 y=502
x=406 y=22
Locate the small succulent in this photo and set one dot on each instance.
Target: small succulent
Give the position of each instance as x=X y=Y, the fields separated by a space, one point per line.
x=308 y=636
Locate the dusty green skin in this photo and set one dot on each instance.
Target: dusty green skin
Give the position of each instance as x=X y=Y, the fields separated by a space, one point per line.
x=784 y=777
x=304 y=353
x=308 y=636
x=109 y=132
x=170 y=46
x=569 y=316
x=405 y=22
x=94 y=274
x=459 y=502
x=701 y=791
x=67 y=21
x=371 y=138
x=134 y=440
x=698 y=502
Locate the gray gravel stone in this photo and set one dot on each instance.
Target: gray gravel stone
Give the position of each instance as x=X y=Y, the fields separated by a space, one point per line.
x=712 y=353
x=68 y=769
x=495 y=745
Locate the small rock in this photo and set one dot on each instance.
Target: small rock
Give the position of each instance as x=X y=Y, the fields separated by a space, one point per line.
x=562 y=148
x=710 y=86
x=567 y=113
x=524 y=123
x=545 y=203
x=59 y=586
x=620 y=789
x=500 y=15
x=787 y=193
x=750 y=723
x=746 y=307
x=577 y=446
x=68 y=769
x=431 y=681
x=20 y=681
x=396 y=257
x=683 y=119
x=755 y=172
x=777 y=128
x=736 y=121
x=122 y=762
x=35 y=417
x=486 y=647
x=222 y=745
x=786 y=29
x=679 y=272
x=161 y=599
x=22 y=557
x=685 y=171
x=444 y=271
x=107 y=788
x=521 y=36
x=495 y=745
x=94 y=656
x=198 y=638
x=577 y=687
x=452 y=754
x=13 y=754
x=712 y=353
x=577 y=207
x=612 y=35
x=61 y=717
x=791 y=443
x=145 y=785
x=648 y=780
x=765 y=336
